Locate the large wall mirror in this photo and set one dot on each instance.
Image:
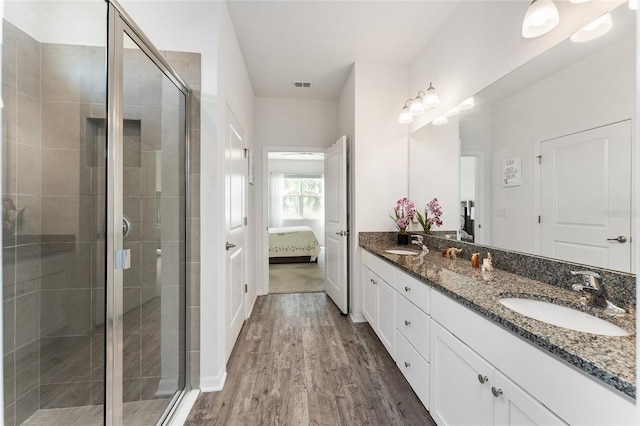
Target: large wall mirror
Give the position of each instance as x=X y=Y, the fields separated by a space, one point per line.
x=546 y=157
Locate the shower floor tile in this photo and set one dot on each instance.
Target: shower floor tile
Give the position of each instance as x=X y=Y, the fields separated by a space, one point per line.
x=139 y=413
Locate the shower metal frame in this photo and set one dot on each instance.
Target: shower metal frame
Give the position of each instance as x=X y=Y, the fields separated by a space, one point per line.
x=120 y=23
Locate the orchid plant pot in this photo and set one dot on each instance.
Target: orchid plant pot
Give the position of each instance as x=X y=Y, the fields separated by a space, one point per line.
x=403 y=239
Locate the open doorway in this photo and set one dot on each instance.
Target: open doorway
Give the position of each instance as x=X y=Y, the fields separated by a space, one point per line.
x=296 y=222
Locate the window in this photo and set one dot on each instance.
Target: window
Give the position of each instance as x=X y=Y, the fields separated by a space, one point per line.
x=302 y=197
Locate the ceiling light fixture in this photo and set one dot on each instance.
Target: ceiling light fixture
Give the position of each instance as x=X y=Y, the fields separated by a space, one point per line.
x=541 y=17
x=432 y=98
x=440 y=120
x=466 y=104
x=417 y=106
x=405 y=115
x=633 y=4
x=593 y=30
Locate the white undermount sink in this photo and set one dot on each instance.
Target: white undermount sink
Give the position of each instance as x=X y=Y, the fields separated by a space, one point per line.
x=401 y=252
x=562 y=316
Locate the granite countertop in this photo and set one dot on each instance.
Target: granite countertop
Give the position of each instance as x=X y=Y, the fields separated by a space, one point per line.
x=609 y=359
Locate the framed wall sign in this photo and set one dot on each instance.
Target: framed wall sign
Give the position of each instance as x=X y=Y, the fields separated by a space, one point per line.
x=512 y=171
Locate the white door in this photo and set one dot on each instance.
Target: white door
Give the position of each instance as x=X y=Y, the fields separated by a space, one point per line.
x=335 y=223
x=585 y=197
x=235 y=164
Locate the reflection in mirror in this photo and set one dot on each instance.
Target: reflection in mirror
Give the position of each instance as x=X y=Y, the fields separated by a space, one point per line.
x=546 y=155
x=434 y=152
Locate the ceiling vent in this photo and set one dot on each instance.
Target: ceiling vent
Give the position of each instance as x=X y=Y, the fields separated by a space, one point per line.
x=302 y=84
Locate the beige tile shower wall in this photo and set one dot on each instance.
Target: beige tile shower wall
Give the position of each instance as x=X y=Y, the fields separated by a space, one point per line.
x=21 y=243
x=71 y=328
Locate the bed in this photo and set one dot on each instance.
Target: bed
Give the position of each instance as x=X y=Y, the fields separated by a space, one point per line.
x=293 y=244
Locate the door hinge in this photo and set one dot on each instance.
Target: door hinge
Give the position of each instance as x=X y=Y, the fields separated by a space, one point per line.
x=539 y=157
x=246 y=221
x=246 y=288
x=539 y=219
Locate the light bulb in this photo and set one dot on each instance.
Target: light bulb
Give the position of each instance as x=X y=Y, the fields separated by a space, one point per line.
x=405 y=115
x=431 y=98
x=541 y=17
x=593 y=29
x=440 y=120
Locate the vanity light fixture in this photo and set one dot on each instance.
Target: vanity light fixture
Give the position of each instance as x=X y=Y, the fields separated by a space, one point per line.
x=440 y=120
x=405 y=115
x=453 y=112
x=431 y=99
x=593 y=30
x=466 y=104
x=417 y=106
x=541 y=17
x=633 y=4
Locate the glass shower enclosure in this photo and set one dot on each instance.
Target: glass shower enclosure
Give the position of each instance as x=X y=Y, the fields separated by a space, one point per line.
x=94 y=165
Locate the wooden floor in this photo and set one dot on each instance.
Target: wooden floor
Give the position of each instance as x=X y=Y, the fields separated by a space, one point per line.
x=299 y=362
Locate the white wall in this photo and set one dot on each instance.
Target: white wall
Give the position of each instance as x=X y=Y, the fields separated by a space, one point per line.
x=378 y=157
x=283 y=124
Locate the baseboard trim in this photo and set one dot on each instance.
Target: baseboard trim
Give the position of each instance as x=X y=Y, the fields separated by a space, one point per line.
x=213 y=383
x=262 y=292
x=357 y=317
x=253 y=304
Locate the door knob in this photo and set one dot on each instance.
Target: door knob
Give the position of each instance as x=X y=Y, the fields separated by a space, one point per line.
x=228 y=245
x=621 y=239
x=342 y=233
x=407 y=323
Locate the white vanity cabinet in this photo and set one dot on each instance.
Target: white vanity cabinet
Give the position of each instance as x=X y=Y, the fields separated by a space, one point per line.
x=412 y=333
x=369 y=296
x=378 y=299
x=466 y=369
x=462 y=378
x=532 y=386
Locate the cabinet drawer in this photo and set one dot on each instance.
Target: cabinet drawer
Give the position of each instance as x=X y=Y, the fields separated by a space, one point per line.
x=416 y=291
x=414 y=368
x=414 y=325
x=383 y=269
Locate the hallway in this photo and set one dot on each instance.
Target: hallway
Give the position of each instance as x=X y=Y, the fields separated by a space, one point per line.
x=298 y=361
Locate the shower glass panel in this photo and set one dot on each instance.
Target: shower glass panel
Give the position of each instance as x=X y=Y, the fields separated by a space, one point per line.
x=154 y=118
x=53 y=200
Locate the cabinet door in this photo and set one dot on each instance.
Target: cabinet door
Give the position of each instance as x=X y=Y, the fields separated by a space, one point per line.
x=413 y=324
x=386 y=316
x=513 y=406
x=460 y=388
x=369 y=296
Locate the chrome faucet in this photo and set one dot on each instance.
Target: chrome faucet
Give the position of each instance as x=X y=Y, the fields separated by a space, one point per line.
x=419 y=241
x=593 y=284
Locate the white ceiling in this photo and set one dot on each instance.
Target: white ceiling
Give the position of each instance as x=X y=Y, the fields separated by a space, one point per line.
x=318 y=41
